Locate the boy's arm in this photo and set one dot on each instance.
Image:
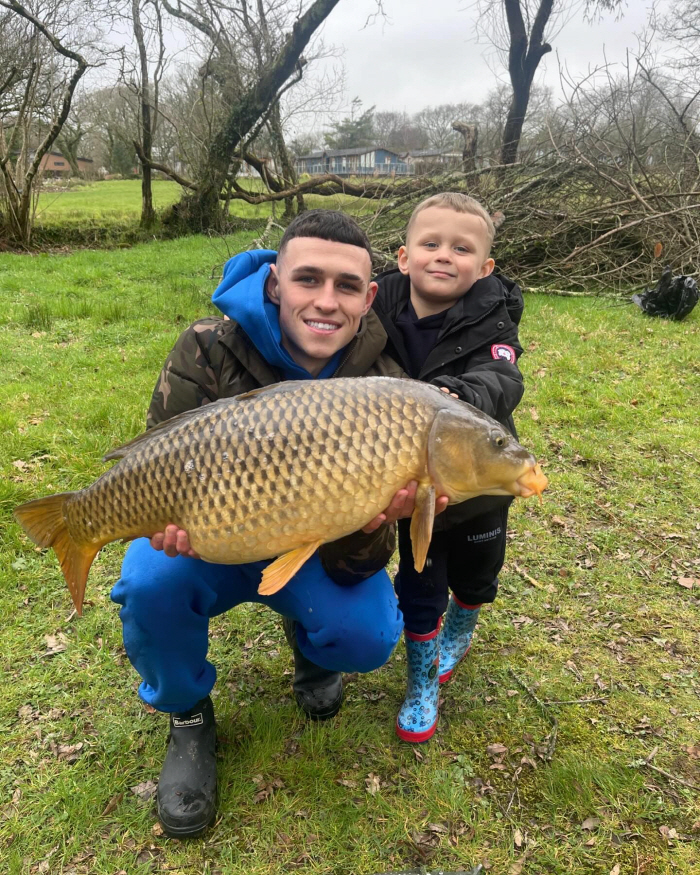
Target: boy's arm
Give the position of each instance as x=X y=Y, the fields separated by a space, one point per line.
x=490 y=382
x=188 y=378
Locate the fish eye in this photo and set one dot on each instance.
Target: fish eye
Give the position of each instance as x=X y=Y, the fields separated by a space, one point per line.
x=499 y=440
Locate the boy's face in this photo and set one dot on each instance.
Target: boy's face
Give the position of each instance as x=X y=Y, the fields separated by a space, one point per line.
x=323 y=290
x=445 y=254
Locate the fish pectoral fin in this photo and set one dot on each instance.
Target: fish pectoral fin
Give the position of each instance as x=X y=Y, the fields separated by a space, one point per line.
x=283 y=569
x=422 y=524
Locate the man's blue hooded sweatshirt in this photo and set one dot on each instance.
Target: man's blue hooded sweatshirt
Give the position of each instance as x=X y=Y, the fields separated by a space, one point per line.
x=241 y=296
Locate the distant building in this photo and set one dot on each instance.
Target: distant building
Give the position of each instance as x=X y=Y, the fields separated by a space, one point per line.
x=426 y=160
x=55 y=164
x=362 y=161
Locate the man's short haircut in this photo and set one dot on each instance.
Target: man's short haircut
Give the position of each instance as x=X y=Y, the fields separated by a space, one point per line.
x=327 y=225
x=460 y=203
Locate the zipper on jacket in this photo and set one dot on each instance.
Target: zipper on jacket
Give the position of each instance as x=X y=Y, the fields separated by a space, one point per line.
x=342 y=364
x=464 y=352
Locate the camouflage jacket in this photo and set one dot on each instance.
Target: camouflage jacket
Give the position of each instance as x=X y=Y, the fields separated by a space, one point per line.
x=214 y=358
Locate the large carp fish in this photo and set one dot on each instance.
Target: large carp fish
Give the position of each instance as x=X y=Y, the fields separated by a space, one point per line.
x=281 y=470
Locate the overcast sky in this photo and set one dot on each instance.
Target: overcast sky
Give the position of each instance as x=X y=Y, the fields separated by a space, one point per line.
x=426 y=53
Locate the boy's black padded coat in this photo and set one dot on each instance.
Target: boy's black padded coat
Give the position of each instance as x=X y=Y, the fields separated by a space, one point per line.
x=464 y=360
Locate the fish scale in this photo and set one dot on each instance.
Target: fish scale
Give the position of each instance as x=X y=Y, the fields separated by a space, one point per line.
x=282 y=470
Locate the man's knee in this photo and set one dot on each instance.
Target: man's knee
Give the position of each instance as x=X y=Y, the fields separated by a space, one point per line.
x=149 y=579
x=363 y=634
x=372 y=646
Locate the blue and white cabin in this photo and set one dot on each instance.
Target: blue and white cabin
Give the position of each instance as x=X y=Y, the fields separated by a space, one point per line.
x=361 y=161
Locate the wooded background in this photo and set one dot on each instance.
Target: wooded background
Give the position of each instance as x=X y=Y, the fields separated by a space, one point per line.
x=596 y=184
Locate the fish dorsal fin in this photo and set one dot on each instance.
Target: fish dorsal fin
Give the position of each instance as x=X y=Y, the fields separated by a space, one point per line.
x=273 y=388
x=125 y=449
x=174 y=421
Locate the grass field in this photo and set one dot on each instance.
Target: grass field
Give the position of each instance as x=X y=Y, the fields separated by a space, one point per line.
x=568 y=741
x=117 y=203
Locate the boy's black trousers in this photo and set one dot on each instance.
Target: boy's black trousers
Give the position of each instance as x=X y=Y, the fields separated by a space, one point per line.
x=465 y=559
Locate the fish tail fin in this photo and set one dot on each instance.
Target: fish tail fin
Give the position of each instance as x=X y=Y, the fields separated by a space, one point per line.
x=44 y=522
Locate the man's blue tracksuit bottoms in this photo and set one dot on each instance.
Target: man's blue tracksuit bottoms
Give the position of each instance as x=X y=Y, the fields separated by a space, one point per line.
x=167 y=603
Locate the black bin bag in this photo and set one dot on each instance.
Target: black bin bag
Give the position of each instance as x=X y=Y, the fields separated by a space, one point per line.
x=673 y=297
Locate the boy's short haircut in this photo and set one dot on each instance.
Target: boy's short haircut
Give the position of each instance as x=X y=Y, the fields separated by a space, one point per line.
x=327 y=225
x=460 y=203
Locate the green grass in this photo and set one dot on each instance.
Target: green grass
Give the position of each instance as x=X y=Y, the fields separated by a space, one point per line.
x=590 y=608
x=117 y=204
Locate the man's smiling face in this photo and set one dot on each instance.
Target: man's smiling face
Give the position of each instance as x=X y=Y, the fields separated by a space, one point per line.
x=323 y=290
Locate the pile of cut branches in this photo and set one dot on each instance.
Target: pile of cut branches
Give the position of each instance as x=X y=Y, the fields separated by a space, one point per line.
x=571 y=225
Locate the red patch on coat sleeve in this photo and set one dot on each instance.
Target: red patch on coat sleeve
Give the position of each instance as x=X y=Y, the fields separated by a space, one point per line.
x=503 y=351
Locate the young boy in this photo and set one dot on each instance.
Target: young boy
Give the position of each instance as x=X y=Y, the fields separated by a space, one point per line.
x=452 y=323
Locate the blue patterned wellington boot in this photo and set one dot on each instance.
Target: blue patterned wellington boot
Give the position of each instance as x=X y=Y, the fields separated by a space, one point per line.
x=418 y=715
x=456 y=635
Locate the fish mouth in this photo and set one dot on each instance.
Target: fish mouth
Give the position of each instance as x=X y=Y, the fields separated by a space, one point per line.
x=532 y=482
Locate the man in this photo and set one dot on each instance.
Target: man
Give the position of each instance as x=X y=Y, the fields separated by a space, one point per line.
x=301 y=314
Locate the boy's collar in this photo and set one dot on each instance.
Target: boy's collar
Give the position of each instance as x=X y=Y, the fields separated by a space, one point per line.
x=395 y=289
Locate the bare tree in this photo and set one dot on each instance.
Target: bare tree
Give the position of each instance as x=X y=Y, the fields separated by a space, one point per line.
x=521 y=31
x=249 y=93
x=48 y=32
x=147 y=24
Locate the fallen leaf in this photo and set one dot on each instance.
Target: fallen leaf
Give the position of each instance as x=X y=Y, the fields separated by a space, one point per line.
x=518 y=839
x=658 y=249
x=693 y=751
x=112 y=804
x=69 y=752
x=534 y=414
x=437 y=827
x=145 y=790
x=668 y=833
x=496 y=749
x=688 y=582
x=157 y=829
x=517 y=867
x=346 y=782
x=590 y=823
x=615 y=869
x=55 y=644
x=20 y=465
x=266 y=788
x=145 y=855
x=372 y=782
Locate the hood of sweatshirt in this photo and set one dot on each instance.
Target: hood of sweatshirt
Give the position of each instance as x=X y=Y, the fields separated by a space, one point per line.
x=242 y=297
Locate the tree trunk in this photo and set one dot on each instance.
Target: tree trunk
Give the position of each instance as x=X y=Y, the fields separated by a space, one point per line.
x=148 y=215
x=471 y=139
x=202 y=210
x=288 y=173
x=524 y=55
x=514 y=123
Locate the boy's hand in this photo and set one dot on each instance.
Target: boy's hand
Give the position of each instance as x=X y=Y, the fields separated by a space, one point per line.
x=443 y=389
x=402 y=506
x=173 y=542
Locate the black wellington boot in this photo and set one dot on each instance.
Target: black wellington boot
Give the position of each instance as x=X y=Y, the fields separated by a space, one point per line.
x=318 y=691
x=187 y=783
